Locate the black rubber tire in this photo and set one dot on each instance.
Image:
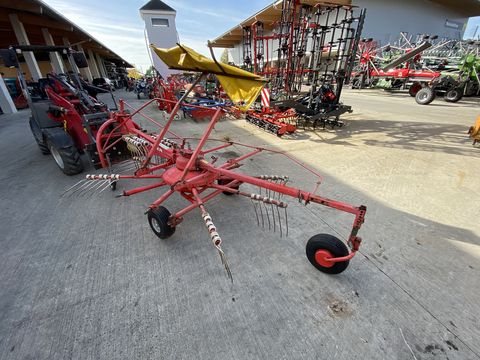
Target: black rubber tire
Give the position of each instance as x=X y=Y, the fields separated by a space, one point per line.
x=138 y=96
x=224 y=182
x=42 y=145
x=72 y=163
x=414 y=89
x=332 y=244
x=425 y=96
x=453 y=95
x=158 y=221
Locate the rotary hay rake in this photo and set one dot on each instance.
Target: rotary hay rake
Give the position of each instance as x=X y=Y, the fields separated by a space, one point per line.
x=171 y=162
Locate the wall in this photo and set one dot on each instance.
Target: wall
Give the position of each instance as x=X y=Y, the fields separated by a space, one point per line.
x=387 y=18
x=161 y=36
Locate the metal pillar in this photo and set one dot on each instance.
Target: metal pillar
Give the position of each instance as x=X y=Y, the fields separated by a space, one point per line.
x=22 y=39
x=101 y=65
x=93 y=64
x=87 y=74
x=55 y=57
x=75 y=69
x=6 y=102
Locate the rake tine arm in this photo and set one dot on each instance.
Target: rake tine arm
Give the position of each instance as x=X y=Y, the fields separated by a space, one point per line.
x=169 y=122
x=202 y=142
x=142 y=189
x=160 y=200
x=304 y=196
x=212 y=231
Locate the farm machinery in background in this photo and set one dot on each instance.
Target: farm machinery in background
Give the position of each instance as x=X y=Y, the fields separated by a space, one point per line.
x=193 y=169
x=208 y=93
x=65 y=111
x=426 y=68
x=307 y=57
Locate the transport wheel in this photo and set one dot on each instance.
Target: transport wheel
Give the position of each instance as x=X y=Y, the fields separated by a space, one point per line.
x=224 y=182
x=414 y=89
x=67 y=158
x=113 y=185
x=425 y=96
x=158 y=220
x=323 y=246
x=138 y=96
x=453 y=96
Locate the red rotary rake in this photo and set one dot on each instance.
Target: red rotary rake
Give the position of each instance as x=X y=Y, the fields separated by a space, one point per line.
x=171 y=163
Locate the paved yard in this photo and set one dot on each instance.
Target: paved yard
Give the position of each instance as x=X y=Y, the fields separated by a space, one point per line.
x=85 y=278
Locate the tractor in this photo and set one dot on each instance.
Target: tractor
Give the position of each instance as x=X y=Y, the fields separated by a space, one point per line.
x=66 y=116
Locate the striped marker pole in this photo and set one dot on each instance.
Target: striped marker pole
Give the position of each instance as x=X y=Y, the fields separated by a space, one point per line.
x=265 y=98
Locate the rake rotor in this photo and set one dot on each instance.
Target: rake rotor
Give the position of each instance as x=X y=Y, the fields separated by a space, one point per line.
x=171 y=162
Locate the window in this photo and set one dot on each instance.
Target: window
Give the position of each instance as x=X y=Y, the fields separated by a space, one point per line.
x=160 y=22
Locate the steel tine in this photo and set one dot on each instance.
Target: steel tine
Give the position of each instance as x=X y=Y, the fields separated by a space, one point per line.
x=225 y=263
x=85 y=184
x=109 y=182
x=72 y=187
x=96 y=188
x=256 y=213
x=87 y=188
x=279 y=221
x=268 y=216
x=286 y=220
x=273 y=216
x=261 y=214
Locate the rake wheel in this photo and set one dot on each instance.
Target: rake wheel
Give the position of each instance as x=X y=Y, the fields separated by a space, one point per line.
x=158 y=220
x=323 y=246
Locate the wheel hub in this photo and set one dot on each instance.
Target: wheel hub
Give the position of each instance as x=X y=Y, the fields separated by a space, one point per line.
x=322 y=258
x=56 y=156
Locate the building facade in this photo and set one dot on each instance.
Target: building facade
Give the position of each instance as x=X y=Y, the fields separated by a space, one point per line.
x=385 y=20
x=161 y=30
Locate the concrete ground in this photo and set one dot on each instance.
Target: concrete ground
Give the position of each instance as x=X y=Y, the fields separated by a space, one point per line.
x=85 y=278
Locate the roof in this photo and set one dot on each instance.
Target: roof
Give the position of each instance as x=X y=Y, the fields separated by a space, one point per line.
x=35 y=15
x=156 y=5
x=267 y=15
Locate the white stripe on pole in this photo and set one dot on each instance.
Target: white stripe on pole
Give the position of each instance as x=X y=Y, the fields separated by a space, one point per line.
x=265 y=97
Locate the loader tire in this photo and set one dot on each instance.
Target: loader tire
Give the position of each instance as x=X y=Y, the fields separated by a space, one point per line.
x=38 y=137
x=453 y=96
x=425 y=96
x=67 y=159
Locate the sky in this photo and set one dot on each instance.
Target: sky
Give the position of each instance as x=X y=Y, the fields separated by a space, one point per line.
x=117 y=23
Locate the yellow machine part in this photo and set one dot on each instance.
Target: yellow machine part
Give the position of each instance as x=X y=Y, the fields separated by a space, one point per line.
x=241 y=86
x=475 y=130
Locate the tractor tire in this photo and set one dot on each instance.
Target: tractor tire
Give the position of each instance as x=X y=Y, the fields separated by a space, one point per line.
x=414 y=89
x=42 y=145
x=158 y=221
x=425 y=96
x=325 y=245
x=453 y=96
x=67 y=159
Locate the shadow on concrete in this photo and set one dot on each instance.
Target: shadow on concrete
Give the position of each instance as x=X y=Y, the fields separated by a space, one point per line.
x=418 y=136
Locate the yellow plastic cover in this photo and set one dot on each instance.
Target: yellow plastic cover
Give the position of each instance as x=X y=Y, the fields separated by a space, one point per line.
x=241 y=86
